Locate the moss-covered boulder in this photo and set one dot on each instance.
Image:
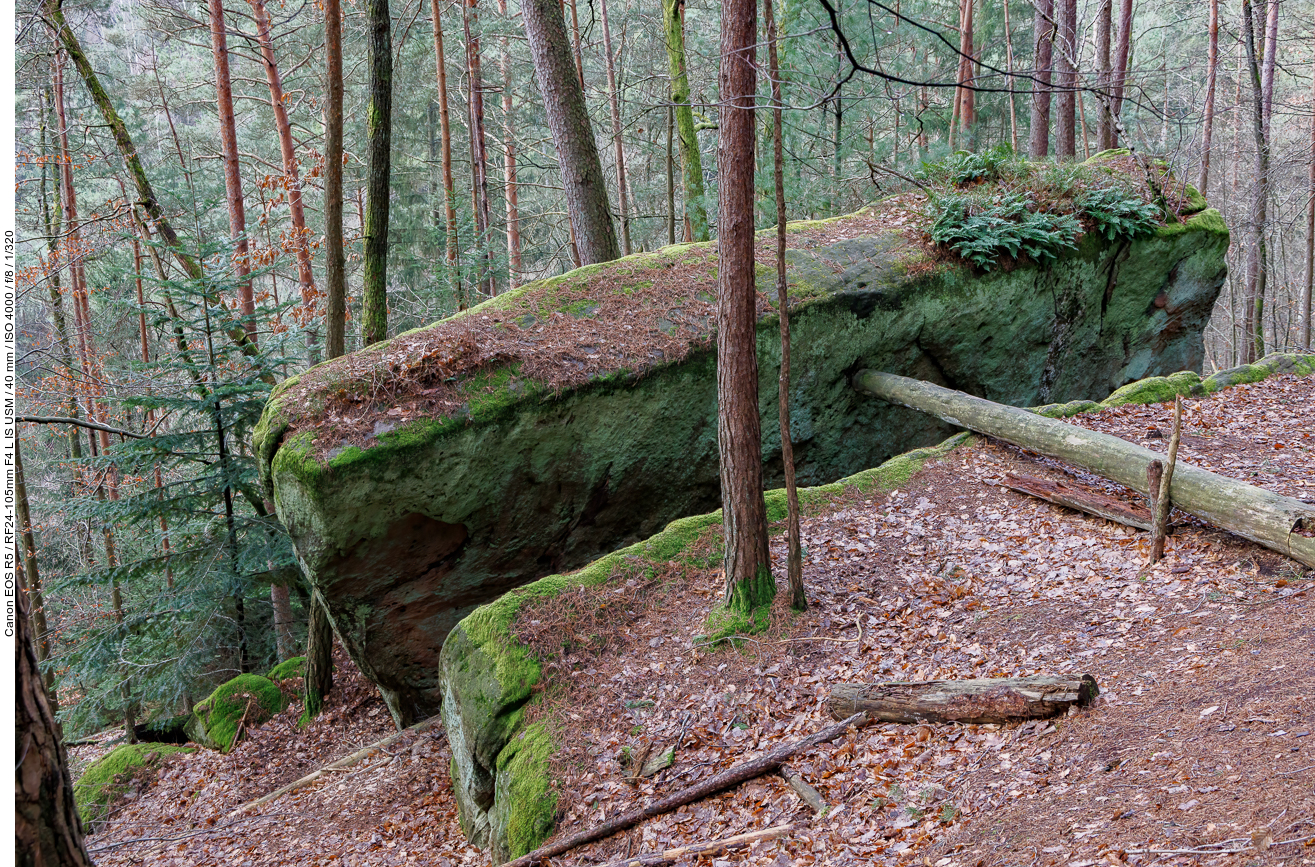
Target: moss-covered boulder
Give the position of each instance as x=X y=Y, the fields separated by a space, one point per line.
x=500 y=765
x=246 y=701
x=109 y=778
x=423 y=476
x=288 y=668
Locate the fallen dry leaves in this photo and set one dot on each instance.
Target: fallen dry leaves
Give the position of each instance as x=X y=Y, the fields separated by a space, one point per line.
x=1199 y=750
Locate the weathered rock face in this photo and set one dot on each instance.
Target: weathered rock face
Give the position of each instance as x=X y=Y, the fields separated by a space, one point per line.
x=407 y=530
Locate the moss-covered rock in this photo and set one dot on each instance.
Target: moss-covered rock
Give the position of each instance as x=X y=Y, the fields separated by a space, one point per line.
x=405 y=534
x=246 y=700
x=288 y=668
x=505 y=801
x=109 y=778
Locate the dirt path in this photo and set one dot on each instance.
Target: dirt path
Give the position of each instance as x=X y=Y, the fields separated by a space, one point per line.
x=1202 y=738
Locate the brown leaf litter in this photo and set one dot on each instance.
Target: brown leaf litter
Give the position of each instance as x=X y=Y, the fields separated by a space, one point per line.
x=1199 y=750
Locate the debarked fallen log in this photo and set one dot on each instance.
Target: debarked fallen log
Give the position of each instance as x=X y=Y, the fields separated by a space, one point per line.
x=1280 y=523
x=985 y=700
x=1080 y=498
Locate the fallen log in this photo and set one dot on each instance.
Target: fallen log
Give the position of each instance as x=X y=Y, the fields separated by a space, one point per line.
x=1081 y=499
x=755 y=767
x=987 y=700
x=344 y=762
x=1283 y=524
x=712 y=847
x=810 y=796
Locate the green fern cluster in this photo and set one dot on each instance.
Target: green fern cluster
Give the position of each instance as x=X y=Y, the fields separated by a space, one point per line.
x=1117 y=213
x=981 y=230
x=963 y=168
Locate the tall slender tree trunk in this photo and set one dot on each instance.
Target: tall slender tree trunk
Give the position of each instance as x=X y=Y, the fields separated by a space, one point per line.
x=1257 y=260
x=671 y=175
x=794 y=557
x=696 y=214
x=1105 y=120
x=615 y=99
x=514 y=264
x=237 y=213
x=568 y=120
x=445 y=144
x=292 y=177
x=962 y=115
x=335 y=273
x=749 y=582
x=1208 y=123
x=46 y=822
x=30 y=569
x=1066 y=65
x=1043 y=35
x=319 y=658
x=579 y=58
x=379 y=126
x=479 y=160
x=1009 y=68
x=1306 y=325
x=1119 y=74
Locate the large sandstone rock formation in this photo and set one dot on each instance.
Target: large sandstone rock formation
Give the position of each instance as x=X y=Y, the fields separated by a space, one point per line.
x=551 y=425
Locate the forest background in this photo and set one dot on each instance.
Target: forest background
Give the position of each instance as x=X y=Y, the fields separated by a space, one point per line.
x=154 y=326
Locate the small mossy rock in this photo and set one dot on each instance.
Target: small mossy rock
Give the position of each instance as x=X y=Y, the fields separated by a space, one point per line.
x=500 y=767
x=247 y=700
x=288 y=668
x=404 y=537
x=1296 y=363
x=106 y=780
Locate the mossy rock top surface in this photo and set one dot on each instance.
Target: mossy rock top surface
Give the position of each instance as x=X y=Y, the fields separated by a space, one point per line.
x=108 y=778
x=288 y=668
x=247 y=701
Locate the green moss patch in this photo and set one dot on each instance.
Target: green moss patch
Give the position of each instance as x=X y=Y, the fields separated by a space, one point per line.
x=108 y=778
x=245 y=701
x=288 y=668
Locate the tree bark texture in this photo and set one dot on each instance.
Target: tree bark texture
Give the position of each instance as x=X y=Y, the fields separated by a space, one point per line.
x=1252 y=345
x=291 y=175
x=1105 y=136
x=1310 y=234
x=335 y=273
x=1043 y=32
x=514 y=263
x=47 y=826
x=1280 y=523
x=1119 y=74
x=445 y=144
x=691 y=163
x=379 y=124
x=237 y=213
x=572 y=133
x=751 y=769
x=1066 y=65
x=23 y=515
x=749 y=582
x=614 y=98
x=319 y=658
x=479 y=157
x=794 y=557
x=988 y=700
x=1208 y=122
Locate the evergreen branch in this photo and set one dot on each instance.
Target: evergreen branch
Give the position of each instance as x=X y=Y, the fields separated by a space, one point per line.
x=45 y=419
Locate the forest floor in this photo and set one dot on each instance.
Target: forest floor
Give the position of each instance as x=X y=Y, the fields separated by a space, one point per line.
x=1199 y=749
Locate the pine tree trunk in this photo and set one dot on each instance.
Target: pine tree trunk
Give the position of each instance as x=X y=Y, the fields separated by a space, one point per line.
x=794 y=557
x=280 y=597
x=237 y=213
x=696 y=214
x=319 y=658
x=335 y=274
x=47 y=826
x=479 y=160
x=1043 y=36
x=1066 y=64
x=379 y=125
x=563 y=101
x=615 y=100
x=1208 y=123
x=292 y=177
x=514 y=263
x=1252 y=345
x=749 y=582
x=445 y=144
